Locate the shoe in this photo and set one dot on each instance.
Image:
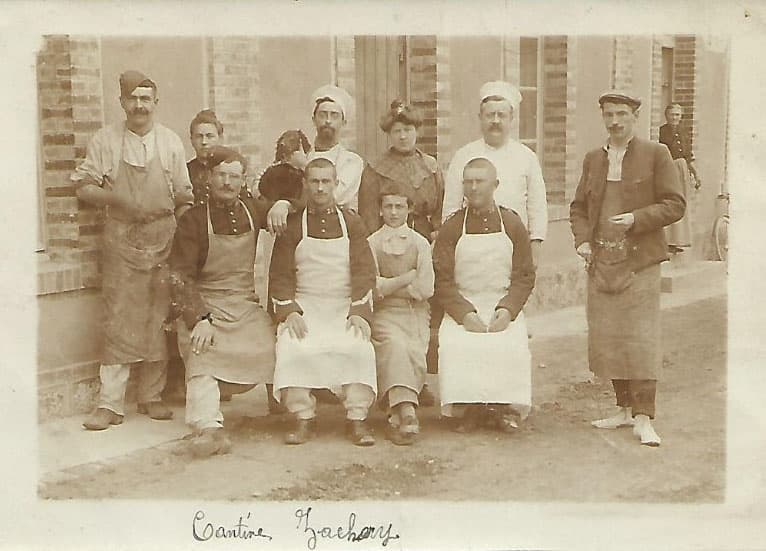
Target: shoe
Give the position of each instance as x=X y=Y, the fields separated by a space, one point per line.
x=622 y=419
x=470 y=420
x=644 y=430
x=305 y=430
x=399 y=437
x=101 y=419
x=426 y=398
x=409 y=425
x=359 y=433
x=155 y=410
x=209 y=442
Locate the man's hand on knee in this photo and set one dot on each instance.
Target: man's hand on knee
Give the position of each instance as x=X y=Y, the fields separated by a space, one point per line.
x=296 y=325
x=202 y=336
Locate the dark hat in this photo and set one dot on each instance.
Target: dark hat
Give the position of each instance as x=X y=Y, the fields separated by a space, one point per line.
x=130 y=80
x=617 y=96
x=222 y=154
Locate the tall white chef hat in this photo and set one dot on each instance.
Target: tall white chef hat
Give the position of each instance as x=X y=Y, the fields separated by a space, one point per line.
x=336 y=94
x=503 y=89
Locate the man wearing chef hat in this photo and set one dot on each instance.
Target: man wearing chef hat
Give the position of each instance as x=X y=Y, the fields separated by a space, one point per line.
x=521 y=186
x=330 y=110
x=137 y=170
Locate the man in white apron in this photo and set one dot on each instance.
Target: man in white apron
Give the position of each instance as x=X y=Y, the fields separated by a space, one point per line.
x=484 y=276
x=225 y=336
x=137 y=170
x=322 y=275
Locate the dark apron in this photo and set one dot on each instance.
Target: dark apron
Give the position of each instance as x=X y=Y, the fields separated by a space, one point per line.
x=135 y=283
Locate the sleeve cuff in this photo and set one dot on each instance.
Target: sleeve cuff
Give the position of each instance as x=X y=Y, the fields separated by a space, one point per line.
x=283 y=308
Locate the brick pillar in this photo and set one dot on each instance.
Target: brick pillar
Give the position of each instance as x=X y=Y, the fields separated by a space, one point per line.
x=444 y=146
x=572 y=164
x=555 y=115
x=233 y=84
x=622 y=66
x=685 y=80
x=345 y=77
x=657 y=109
x=71 y=110
x=422 y=59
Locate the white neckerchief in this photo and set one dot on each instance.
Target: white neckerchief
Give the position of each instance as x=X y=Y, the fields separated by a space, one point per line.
x=395 y=240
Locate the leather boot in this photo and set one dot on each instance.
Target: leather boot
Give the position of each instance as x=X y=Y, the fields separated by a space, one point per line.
x=156 y=410
x=305 y=430
x=359 y=433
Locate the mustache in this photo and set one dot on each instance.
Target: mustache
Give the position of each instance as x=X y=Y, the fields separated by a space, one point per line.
x=495 y=126
x=139 y=111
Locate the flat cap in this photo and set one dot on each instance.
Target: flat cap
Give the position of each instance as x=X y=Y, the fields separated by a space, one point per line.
x=336 y=94
x=503 y=89
x=130 y=80
x=619 y=96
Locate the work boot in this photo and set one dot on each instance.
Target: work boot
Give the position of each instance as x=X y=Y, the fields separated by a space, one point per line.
x=505 y=419
x=644 y=430
x=624 y=418
x=305 y=430
x=409 y=424
x=101 y=419
x=359 y=433
x=156 y=410
x=209 y=442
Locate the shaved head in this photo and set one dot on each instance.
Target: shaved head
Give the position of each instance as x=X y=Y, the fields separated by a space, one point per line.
x=483 y=163
x=479 y=182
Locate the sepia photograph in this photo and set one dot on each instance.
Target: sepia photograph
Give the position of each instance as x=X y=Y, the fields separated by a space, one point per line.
x=335 y=262
x=428 y=276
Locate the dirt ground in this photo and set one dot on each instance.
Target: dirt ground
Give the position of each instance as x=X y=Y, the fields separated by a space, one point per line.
x=556 y=455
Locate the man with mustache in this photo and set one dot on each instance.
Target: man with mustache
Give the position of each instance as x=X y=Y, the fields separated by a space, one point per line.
x=521 y=187
x=628 y=192
x=136 y=169
x=331 y=106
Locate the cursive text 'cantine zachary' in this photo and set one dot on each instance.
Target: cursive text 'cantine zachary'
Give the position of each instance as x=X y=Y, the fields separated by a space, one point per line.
x=349 y=533
x=204 y=531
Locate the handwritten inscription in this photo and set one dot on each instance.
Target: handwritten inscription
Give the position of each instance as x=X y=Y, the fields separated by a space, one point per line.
x=205 y=531
x=351 y=533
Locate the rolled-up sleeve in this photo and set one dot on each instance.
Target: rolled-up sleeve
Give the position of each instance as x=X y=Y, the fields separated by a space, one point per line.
x=179 y=174
x=96 y=163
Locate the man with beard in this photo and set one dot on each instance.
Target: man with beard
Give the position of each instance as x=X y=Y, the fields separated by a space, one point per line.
x=331 y=106
x=136 y=170
x=521 y=186
x=628 y=192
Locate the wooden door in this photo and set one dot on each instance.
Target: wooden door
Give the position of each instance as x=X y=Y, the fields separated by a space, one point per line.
x=381 y=77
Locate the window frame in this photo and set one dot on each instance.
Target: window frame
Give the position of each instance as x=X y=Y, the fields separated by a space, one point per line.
x=537 y=141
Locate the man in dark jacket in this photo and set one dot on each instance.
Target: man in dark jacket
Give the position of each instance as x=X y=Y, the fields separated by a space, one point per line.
x=628 y=192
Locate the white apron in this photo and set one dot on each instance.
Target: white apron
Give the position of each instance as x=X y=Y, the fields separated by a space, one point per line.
x=484 y=367
x=330 y=355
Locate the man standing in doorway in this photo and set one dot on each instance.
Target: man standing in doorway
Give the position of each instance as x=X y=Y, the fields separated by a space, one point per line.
x=521 y=186
x=331 y=107
x=136 y=170
x=627 y=194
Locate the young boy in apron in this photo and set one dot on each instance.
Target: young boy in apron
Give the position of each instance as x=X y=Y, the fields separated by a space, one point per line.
x=321 y=278
x=484 y=276
x=400 y=328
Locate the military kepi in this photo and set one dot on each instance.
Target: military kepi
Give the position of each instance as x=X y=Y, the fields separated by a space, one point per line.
x=130 y=80
x=619 y=96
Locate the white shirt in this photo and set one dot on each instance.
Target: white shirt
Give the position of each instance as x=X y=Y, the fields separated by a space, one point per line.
x=615 y=155
x=349 y=167
x=138 y=150
x=521 y=187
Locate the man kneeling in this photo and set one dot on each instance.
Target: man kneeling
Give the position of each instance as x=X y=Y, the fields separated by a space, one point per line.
x=322 y=275
x=225 y=337
x=484 y=275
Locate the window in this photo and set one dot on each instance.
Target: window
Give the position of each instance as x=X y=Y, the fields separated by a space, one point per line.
x=530 y=76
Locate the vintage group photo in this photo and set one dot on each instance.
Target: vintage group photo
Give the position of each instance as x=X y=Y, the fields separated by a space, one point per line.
x=383 y=267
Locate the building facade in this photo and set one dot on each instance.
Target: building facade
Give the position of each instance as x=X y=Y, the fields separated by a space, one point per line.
x=260 y=87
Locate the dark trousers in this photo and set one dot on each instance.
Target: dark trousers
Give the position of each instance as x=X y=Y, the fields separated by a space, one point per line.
x=637 y=394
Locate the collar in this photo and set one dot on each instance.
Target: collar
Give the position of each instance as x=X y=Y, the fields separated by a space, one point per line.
x=327 y=211
x=333 y=148
x=482 y=212
x=606 y=145
x=137 y=136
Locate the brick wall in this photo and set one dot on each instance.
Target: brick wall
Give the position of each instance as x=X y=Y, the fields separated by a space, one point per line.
x=233 y=94
x=657 y=112
x=511 y=70
x=685 y=80
x=422 y=75
x=555 y=114
x=444 y=146
x=622 y=66
x=70 y=103
x=572 y=164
